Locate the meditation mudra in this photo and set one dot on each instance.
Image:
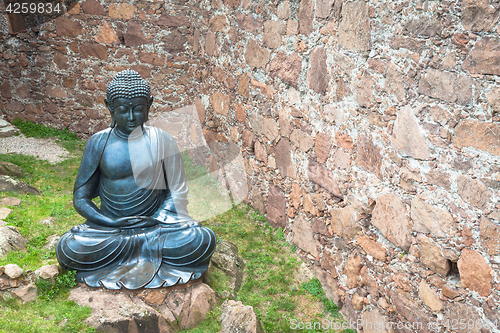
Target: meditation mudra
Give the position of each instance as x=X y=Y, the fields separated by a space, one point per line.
x=142 y=235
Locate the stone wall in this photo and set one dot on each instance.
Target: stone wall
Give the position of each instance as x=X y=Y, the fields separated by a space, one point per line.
x=56 y=73
x=369 y=130
x=370 y=134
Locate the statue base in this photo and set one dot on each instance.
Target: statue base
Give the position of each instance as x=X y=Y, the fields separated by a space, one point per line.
x=166 y=309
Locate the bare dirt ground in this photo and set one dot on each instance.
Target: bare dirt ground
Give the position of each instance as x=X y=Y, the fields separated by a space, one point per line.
x=46 y=149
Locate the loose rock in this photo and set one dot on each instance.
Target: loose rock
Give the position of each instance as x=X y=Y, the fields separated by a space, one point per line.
x=9 y=184
x=125 y=312
x=47 y=272
x=11 y=240
x=13 y=271
x=4 y=212
x=237 y=317
x=226 y=259
x=10 y=201
x=27 y=293
x=6 y=129
x=12 y=170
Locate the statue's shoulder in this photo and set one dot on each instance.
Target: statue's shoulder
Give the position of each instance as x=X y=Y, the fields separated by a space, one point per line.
x=99 y=135
x=104 y=132
x=91 y=157
x=97 y=141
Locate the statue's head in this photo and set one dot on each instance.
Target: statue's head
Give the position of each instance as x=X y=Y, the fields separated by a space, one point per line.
x=128 y=99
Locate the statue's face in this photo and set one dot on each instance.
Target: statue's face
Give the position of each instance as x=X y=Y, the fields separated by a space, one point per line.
x=130 y=113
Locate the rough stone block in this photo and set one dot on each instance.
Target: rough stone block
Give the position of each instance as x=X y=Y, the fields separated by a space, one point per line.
x=122 y=11
x=484 y=58
x=368 y=156
x=317 y=75
x=273 y=30
x=432 y=256
x=324 y=177
x=345 y=222
x=220 y=103
x=372 y=247
x=473 y=191
x=303 y=236
x=430 y=297
x=408 y=138
x=93 y=7
x=475 y=273
x=134 y=35
x=276 y=207
x=479 y=15
x=447 y=86
x=306 y=16
x=389 y=216
x=354 y=29
x=67 y=27
x=431 y=219
x=286 y=67
x=478 y=134
x=490 y=236
x=255 y=55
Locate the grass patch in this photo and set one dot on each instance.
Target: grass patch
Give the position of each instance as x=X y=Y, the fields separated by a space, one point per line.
x=315 y=289
x=56 y=201
x=51 y=312
x=66 y=138
x=55 y=315
x=48 y=290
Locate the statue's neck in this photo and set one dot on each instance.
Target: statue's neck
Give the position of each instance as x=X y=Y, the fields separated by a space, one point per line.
x=127 y=136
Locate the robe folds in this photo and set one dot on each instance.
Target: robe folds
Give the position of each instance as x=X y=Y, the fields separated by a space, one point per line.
x=174 y=251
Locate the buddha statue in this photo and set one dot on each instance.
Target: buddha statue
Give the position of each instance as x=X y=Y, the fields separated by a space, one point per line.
x=141 y=236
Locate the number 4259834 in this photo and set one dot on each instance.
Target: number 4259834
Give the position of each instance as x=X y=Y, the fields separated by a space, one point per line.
x=32 y=8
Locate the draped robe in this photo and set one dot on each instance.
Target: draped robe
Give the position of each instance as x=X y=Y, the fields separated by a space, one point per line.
x=175 y=250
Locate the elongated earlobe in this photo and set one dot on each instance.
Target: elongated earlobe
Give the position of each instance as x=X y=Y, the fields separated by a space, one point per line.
x=111 y=111
x=150 y=102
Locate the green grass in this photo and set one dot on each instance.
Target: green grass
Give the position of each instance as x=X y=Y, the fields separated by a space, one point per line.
x=66 y=138
x=55 y=183
x=51 y=312
x=314 y=288
x=269 y=271
x=48 y=290
x=54 y=315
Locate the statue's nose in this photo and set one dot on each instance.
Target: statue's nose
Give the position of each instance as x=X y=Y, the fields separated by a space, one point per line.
x=130 y=115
